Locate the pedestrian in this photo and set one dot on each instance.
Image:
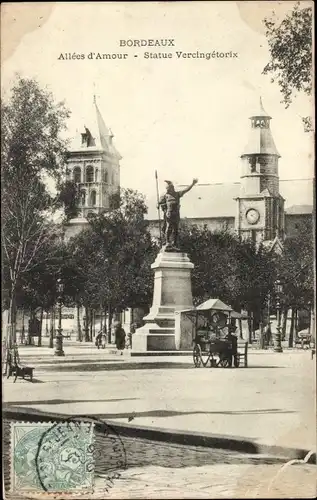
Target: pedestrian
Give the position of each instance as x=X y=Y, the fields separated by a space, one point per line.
x=133 y=327
x=104 y=337
x=268 y=334
x=98 y=339
x=120 y=337
x=233 y=348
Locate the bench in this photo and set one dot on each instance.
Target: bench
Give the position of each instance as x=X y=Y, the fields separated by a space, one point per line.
x=14 y=366
x=242 y=354
x=303 y=341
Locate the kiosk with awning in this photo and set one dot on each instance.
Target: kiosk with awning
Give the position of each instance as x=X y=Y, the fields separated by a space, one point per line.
x=211 y=333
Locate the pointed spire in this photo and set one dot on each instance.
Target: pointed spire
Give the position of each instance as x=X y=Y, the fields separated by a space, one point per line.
x=260 y=112
x=96 y=134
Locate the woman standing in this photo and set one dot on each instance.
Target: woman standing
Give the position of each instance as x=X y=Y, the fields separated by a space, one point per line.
x=120 y=337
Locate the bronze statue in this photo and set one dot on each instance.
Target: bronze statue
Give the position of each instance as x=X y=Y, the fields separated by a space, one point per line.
x=170 y=205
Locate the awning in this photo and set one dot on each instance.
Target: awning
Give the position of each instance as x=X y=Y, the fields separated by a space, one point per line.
x=214 y=305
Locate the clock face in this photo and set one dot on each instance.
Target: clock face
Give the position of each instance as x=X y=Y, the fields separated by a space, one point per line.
x=252 y=216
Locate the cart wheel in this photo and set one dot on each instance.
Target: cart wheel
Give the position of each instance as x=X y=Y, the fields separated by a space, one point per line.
x=197 y=355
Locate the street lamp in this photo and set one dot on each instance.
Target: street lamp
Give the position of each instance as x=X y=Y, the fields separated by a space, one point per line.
x=59 y=336
x=278 y=337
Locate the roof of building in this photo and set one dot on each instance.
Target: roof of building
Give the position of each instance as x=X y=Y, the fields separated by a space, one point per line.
x=206 y=201
x=300 y=210
x=101 y=137
x=260 y=142
x=260 y=111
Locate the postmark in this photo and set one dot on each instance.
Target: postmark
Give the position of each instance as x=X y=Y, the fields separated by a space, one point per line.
x=65 y=457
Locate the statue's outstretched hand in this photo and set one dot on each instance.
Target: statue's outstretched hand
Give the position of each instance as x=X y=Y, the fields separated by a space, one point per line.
x=195 y=181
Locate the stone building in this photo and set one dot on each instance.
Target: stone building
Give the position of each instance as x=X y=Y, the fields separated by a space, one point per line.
x=94 y=164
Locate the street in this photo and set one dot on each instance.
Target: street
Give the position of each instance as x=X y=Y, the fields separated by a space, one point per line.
x=271 y=403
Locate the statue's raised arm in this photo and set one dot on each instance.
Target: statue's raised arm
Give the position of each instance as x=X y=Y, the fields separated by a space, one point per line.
x=171 y=207
x=184 y=191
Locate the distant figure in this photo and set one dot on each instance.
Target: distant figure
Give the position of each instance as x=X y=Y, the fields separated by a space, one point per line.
x=170 y=205
x=268 y=334
x=101 y=339
x=120 y=337
x=133 y=328
x=233 y=349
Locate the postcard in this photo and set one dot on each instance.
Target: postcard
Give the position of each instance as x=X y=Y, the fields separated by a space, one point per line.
x=158 y=271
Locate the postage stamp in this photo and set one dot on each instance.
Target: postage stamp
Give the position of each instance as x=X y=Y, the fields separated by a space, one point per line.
x=53 y=457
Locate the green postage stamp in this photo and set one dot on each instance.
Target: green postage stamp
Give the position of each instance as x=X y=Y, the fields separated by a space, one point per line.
x=52 y=457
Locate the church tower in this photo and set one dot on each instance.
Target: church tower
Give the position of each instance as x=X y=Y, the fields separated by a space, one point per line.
x=260 y=206
x=93 y=164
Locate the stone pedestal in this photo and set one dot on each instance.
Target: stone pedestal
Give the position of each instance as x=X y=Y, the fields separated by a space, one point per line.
x=172 y=292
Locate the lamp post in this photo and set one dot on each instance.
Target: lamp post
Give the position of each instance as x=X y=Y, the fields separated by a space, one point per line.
x=59 y=336
x=278 y=337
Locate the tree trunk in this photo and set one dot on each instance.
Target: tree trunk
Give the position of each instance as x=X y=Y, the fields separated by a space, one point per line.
x=51 y=341
x=101 y=318
x=86 y=327
x=110 y=314
x=11 y=336
x=262 y=336
x=105 y=319
x=29 y=336
x=291 y=331
x=23 y=327
x=39 y=342
x=90 y=324
x=46 y=325
x=250 y=326
x=79 y=336
x=94 y=323
x=296 y=323
x=284 y=323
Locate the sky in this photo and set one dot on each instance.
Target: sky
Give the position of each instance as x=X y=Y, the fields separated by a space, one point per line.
x=183 y=117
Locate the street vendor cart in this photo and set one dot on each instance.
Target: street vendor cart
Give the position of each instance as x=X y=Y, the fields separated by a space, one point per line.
x=214 y=344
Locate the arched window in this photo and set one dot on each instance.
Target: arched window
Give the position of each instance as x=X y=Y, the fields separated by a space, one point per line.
x=96 y=175
x=105 y=176
x=93 y=198
x=77 y=174
x=89 y=174
x=83 y=197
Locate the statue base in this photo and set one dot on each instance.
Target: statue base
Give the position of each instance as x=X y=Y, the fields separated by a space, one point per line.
x=172 y=292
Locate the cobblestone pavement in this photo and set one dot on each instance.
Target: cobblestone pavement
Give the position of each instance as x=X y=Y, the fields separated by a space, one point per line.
x=164 y=470
x=214 y=481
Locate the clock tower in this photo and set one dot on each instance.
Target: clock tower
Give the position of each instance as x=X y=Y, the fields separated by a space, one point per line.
x=260 y=206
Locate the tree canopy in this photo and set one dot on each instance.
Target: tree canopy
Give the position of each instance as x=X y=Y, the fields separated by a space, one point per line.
x=236 y=271
x=290 y=45
x=32 y=152
x=112 y=257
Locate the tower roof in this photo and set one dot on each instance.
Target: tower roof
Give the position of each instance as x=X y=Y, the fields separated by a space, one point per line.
x=260 y=137
x=260 y=112
x=94 y=135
